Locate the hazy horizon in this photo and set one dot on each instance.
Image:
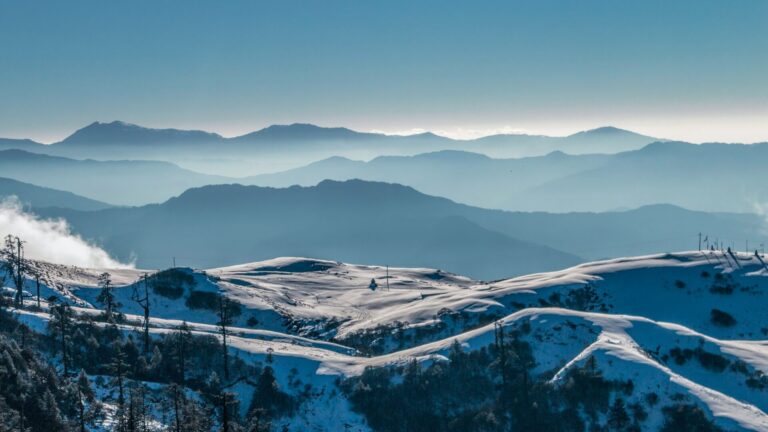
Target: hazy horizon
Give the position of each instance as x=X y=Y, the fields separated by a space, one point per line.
x=459 y=134
x=690 y=70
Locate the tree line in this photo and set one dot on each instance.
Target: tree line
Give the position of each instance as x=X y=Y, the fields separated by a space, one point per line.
x=494 y=389
x=179 y=379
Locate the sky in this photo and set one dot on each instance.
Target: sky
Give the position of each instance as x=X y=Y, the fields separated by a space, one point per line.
x=694 y=70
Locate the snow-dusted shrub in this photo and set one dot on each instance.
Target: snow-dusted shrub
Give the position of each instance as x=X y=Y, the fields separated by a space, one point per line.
x=211 y=301
x=722 y=318
x=171 y=283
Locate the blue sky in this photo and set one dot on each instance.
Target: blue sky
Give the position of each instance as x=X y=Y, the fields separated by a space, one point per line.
x=688 y=69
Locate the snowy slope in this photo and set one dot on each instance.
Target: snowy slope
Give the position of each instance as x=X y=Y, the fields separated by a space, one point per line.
x=648 y=319
x=313 y=296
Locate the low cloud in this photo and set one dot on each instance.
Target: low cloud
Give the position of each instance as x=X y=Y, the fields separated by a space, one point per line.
x=51 y=240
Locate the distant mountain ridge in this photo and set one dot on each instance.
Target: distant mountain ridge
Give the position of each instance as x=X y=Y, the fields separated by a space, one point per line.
x=660 y=172
x=367 y=222
x=38 y=197
x=122 y=131
x=352 y=221
x=122 y=182
x=118 y=132
x=280 y=147
x=299 y=131
x=20 y=144
x=669 y=172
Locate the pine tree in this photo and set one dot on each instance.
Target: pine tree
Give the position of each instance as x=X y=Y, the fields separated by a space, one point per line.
x=60 y=328
x=196 y=418
x=84 y=386
x=107 y=297
x=590 y=367
x=119 y=369
x=501 y=353
x=181 y=341
x=267 y=401
x=176 y=394
x=156 y=359
x=87 y=406
x=81 y=410
x=225 y=320
x=216 y=394
x=618 y=419
x=138 y=415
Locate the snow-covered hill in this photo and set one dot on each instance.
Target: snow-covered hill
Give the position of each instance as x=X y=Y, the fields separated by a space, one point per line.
x=688 y=326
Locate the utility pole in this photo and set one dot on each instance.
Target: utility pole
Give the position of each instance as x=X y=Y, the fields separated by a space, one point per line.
x=174 y=262
x=699 y=242
x=387 y=277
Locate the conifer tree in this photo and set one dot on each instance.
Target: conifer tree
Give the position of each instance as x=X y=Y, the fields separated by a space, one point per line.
x=107 y=297
x=618 y=419
x=60 y=327
x=181 y=342
x=225 y=320
x=119 y=369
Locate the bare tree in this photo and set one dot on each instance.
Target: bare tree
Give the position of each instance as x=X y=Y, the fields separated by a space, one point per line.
x=37 y=286
x=15 y=265
x=225 y=320
x=141 y=296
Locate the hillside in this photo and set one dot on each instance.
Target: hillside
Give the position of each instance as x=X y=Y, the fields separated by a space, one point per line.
x=21 y=144
x=368 y=222
x=124 y=182
x=37 y=196
x=614 y=326
x=670 y=172
x=118 y=133
x=351 y=221
x=486 y=182
x=664 y=172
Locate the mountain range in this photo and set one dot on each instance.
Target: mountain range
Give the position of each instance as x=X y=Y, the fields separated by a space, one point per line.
x=669 y=172
x=280 y=147
x=366 y=222
x=116 y=182
x=707 y=177
x=38 y=197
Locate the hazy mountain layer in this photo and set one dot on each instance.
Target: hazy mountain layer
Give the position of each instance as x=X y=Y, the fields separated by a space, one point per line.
x=709 y=177
x=36 y=196
x=353 y=221
x=128 y=182
x=364 y=222
x=282 y=147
